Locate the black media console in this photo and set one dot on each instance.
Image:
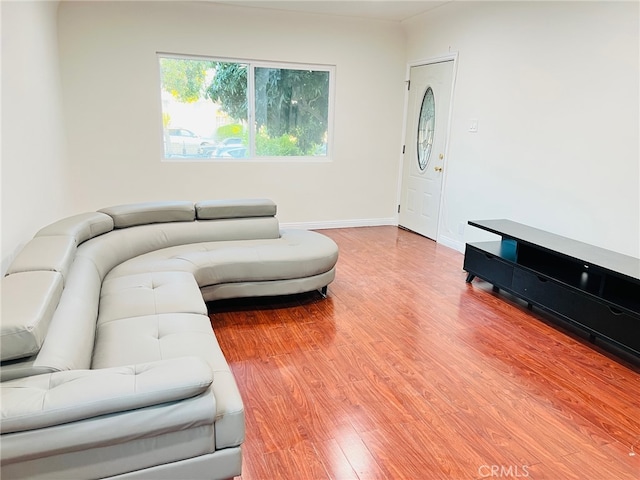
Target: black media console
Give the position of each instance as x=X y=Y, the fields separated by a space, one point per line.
x=596 y=289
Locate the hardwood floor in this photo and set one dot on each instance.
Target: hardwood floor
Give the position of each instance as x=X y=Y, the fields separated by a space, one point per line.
x=406 y=372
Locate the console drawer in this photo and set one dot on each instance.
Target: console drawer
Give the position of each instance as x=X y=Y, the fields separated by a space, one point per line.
x=488 y=266
x=599 y=317
x=553 y=296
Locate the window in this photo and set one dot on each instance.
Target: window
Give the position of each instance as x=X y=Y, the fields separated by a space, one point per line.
x=244 y=109
x=426 y=128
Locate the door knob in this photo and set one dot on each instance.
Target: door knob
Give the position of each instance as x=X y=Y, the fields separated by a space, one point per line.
x=437 y=169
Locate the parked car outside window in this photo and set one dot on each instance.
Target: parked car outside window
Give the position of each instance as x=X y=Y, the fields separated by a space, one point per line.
x=226 y=146
x=183 y=142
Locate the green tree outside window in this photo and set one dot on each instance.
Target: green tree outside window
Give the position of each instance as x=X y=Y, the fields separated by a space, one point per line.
x=290 y=105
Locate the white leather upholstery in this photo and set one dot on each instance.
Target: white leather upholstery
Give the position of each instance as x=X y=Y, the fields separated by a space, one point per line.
x=148 y=294
x=69 y=342
x=151 y=212
x=295 y=254
x=245 y=208
x=128 y=380
x=61 y=397
x=53 y=253
x=166 y=336
x=219 y=465
x=152 y=337
x=81 y=227
x=227 y=461
x=115 y=443
x=29 y=300
x=264 y=289
x=109 y=251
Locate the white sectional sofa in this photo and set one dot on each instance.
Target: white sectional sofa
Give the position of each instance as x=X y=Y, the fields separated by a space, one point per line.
x=110 y=366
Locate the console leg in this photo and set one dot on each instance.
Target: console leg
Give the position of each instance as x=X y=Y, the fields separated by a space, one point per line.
x=470 y=277
x=495 y=289
x=529 y=306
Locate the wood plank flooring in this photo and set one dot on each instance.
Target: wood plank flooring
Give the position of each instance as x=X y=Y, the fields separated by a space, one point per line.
x=406 y=372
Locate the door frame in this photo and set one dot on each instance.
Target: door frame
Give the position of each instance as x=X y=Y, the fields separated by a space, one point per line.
x=420 y=63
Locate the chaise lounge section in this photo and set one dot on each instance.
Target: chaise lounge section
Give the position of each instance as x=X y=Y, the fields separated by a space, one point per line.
x=110 y=366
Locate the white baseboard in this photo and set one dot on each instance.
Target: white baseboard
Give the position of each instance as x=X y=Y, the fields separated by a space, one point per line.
x=363 y=222
x=451 y=243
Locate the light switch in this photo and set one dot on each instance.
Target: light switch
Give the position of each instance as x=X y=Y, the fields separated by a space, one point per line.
x=473 y=125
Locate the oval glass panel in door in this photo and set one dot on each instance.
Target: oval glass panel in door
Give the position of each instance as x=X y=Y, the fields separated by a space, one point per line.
x=426 y=128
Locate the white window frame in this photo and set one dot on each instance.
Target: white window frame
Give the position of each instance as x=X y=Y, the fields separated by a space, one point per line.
x=252 y=65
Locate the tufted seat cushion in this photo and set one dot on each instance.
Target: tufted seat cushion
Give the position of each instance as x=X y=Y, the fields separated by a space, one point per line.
x=148 y=294
x=296 y=254
x=151 y=337
x=171 y=336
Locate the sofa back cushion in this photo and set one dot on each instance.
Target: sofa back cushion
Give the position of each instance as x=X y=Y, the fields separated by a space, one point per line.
x=134 y=214
x=70 y=337
x=82 y=227
x=52 y=253
x=251 y=207
x=29 y=300
x=109 y=251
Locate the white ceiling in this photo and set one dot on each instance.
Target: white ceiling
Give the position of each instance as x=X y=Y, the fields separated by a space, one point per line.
x=391 y=10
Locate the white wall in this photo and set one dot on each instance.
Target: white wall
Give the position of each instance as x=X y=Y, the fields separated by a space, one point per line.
x=112 y=101
x=555 y=88
x=34 y=171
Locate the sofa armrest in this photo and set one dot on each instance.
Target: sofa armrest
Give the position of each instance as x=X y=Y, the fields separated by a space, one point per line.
x=52 y=399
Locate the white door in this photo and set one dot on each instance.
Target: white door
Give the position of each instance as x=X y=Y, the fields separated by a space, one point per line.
x=424 y=147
